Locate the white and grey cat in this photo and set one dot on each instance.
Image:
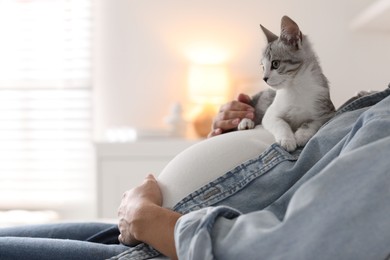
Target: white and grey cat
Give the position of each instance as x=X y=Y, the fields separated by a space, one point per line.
x=298 y=102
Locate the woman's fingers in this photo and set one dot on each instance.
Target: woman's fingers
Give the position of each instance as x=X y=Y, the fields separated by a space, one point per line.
x=230 y=115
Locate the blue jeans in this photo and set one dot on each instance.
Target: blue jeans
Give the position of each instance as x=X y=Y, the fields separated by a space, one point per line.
x=60 y=241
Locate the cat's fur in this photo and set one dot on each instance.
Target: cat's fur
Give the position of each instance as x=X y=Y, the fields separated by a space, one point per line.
x=298 y=103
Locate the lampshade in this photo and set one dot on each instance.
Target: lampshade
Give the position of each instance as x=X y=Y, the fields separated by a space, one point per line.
x=208 y=83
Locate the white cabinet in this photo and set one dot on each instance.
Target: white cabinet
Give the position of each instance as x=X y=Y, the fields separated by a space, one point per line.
x=121 y=166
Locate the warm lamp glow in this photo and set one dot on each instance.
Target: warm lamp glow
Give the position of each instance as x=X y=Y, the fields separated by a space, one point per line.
x=208 y=88
x=206 y=53
x=208 y=84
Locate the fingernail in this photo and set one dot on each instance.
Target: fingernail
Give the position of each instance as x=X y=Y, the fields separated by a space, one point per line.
x=236 y=121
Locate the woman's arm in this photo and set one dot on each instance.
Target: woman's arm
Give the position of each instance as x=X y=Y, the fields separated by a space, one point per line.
x=141 y=218
x=231 y=114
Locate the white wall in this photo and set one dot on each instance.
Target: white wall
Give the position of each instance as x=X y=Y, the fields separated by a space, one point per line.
x=142 y=50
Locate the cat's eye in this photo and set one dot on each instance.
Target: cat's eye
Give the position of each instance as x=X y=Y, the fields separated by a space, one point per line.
x=275 y=64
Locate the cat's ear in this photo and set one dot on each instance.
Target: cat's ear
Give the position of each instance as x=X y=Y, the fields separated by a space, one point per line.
x=290 y=33
x=270 y=36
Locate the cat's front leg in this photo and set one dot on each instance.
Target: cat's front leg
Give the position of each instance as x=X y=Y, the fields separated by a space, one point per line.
x=281 y=130
x=287 y=143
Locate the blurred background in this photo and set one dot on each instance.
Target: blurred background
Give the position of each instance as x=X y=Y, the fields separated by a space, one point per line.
x=94 y=94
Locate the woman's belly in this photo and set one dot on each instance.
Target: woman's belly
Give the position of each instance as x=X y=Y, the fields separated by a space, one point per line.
x=205 y=161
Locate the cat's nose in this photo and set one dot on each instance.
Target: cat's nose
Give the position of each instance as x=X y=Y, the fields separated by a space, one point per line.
x=265 y=79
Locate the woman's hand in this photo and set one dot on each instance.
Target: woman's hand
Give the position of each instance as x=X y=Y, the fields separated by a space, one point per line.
x=231 y=114
x=141 y=218
x=132 y=209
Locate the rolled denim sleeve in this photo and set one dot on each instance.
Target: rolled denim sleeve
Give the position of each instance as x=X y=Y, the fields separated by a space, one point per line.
x=193 y=231
x=206 y=233
x=341 y=213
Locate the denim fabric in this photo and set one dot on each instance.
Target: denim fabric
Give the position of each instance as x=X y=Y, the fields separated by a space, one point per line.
x=76 y=231
x=261 y=190
x=60 y=241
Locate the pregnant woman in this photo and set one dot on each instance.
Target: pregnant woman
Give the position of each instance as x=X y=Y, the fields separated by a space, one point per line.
x=240 y=196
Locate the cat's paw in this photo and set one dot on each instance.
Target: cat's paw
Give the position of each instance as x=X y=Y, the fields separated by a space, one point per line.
x=246 y=124
x=289 y=144
x=303 y=135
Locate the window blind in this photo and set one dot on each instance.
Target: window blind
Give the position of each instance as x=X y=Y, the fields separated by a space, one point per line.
x=45 y=103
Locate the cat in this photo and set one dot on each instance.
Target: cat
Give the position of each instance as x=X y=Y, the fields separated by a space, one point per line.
x=298 y=102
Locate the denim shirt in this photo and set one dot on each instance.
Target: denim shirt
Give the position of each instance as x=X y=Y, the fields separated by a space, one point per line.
x=297 y=205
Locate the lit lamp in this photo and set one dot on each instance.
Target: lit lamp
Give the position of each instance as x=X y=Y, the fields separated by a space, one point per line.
x=208 y=89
